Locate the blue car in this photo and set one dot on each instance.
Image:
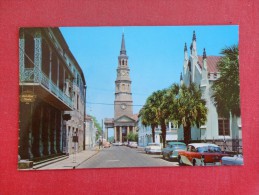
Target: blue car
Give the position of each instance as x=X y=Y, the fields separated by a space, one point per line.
x=172 y=148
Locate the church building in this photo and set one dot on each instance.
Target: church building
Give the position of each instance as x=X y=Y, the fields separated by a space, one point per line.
x=124 y=121
x=203 y=71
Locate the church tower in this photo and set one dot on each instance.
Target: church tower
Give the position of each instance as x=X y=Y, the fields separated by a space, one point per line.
x=124 y=122
x=123 y=95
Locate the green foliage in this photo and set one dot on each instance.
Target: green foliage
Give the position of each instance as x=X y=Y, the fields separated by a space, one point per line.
x=154 y=113
x=226 y=89
x=132 y=136
x=187 y=107
x=181 y=104
x=98 y=126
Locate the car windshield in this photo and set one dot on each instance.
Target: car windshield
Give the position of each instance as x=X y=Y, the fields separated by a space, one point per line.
x=208 y=149
x=179 y=146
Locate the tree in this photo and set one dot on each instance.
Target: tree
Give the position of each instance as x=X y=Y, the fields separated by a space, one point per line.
x=159 y=110
x=226 y=95
x=148 y=118
x=98 y=126
x=187 y=107
x=132 y=136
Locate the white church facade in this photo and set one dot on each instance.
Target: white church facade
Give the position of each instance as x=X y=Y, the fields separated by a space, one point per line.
x=203 y=71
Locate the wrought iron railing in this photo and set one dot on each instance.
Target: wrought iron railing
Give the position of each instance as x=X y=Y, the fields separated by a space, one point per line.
x=36 y=76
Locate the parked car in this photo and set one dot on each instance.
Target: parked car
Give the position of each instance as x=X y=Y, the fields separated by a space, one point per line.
x=106 y=144
x=117 y=144
x=133 y=144
x=125 y=144
x=201 y=154
x=153 y=148
x=172 y=149
x=233 y=160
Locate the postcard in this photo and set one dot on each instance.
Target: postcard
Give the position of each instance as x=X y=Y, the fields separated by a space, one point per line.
x=134 y=96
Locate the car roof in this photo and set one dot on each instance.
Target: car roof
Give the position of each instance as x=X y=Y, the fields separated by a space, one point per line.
x=176 y=143
x=196 y=145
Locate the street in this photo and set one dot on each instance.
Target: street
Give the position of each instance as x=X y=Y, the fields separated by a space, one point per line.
x=122 y=156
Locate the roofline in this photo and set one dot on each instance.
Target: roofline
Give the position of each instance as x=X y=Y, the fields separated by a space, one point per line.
x=61 y=38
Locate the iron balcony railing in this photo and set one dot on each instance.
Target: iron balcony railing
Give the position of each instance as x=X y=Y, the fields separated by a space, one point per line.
x=37 y=76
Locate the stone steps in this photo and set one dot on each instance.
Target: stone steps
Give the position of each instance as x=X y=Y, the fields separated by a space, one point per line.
x=43 y=163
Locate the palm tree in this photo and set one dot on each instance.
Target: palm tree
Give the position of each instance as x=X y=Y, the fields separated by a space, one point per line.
x=155 y=113
x=187 y=108
x=162 y=111
x=226 y=89
x=226 y=95
x=148 y=118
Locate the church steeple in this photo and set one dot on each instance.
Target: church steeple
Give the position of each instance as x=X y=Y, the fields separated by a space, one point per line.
x=185 y=52
x=204 y=54
x=123 y=95
x=123 y=49
x=194 y=36
x=193 y=45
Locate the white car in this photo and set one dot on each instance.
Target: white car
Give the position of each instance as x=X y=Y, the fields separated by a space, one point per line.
x=232 y=160
x=133 y=144
x=117 y=144
x=153 y=148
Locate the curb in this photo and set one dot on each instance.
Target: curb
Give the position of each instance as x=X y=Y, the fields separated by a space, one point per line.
x=87 y=159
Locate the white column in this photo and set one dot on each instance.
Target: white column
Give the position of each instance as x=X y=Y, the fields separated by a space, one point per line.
x=120 y=134
x=106 y=130
x=115 y=133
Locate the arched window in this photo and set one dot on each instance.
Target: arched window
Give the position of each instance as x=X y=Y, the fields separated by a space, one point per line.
x=123 y=87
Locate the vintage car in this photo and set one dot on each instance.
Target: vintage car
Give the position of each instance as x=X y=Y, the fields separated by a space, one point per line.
x=133 y=144
x=201 y=154
x=153 y=148
x=172 y=149
x=233 y=160
x=106 y=144
x=117 y=144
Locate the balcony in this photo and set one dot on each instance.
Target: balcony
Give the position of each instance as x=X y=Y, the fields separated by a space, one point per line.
x=43 y=87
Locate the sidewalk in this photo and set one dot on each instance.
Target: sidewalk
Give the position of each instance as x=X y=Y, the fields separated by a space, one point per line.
x=73 y=161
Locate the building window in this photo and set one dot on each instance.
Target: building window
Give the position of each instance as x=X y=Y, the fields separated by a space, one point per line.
x=224 y=128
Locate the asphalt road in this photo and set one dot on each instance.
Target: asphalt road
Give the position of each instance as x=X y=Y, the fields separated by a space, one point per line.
x=122 y=156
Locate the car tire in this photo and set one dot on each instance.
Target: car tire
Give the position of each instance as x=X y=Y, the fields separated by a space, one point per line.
x=163 y=155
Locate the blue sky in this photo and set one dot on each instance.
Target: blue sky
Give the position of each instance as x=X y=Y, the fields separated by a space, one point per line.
x=155 y=58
